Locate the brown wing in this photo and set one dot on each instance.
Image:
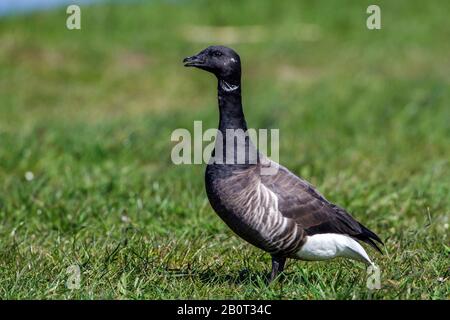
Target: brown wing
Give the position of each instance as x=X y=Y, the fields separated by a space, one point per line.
x=298 y=200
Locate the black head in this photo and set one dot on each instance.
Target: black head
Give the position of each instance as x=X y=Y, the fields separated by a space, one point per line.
x=219 y=60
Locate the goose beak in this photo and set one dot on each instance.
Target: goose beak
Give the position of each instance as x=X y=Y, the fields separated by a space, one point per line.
x=193 y=61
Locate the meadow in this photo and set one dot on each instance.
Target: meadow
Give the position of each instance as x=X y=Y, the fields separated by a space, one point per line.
x=86 y=116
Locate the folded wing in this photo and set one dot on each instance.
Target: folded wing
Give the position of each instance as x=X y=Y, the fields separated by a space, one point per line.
x=300 y=201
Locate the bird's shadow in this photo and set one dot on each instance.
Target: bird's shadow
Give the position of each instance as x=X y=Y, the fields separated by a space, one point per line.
x=244 y=276
x=218 y=275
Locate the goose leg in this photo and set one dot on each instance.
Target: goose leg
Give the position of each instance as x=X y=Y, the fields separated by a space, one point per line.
x=277 y=266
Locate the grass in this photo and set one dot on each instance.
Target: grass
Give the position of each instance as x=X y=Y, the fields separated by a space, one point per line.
x=364 y=115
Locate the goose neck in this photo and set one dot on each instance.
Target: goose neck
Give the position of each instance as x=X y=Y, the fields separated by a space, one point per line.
x=230 y=106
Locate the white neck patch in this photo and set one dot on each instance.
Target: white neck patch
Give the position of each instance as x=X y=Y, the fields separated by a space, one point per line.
x=228 y=87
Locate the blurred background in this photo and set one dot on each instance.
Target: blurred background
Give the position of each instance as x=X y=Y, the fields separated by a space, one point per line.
x=86 y=117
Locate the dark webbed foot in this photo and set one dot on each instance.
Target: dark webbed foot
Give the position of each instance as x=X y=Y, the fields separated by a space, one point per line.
x=277 y=267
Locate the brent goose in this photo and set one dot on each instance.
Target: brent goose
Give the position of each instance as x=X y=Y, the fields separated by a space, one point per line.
x=279 y=213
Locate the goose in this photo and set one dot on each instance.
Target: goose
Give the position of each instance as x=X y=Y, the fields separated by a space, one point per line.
x=279 y=213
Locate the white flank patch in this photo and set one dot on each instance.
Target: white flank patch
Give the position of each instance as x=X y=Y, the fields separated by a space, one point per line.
x=332 y=245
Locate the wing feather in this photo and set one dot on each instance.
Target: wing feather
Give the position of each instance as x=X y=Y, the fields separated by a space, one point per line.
x=300 y=201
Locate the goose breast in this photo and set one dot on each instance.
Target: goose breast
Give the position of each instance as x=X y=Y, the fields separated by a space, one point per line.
x=251 y=209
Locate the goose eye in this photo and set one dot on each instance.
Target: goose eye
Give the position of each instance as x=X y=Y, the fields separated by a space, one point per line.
x=217 y=54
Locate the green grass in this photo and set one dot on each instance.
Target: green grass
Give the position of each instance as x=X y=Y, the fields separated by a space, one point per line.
x=364 y=115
